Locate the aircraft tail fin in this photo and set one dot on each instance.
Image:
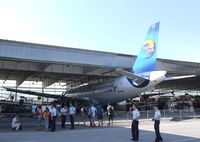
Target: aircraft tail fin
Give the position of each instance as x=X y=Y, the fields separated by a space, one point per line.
x=146 y=60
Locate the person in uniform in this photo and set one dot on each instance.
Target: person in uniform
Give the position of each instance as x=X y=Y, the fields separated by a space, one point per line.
x=156 y=120
x=53 y=113
x=134 y=127
x=63 y=112
x=72 y=111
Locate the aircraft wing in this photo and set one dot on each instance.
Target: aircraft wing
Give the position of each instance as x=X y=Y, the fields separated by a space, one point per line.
x=187 y=82
x=153 y=94
x=33 y=93
x=46 y=95
x=156 y=93
x=179 y=77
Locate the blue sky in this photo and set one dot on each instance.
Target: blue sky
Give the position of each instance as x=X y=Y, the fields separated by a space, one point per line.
x=116 y=26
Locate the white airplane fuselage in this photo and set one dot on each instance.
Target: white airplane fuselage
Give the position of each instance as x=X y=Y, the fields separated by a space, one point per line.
x=116 y=90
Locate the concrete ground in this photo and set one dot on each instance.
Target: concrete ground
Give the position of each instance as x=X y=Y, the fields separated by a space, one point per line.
x=171 y=131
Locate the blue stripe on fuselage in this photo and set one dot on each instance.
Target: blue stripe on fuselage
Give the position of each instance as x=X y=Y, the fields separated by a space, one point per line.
x=144 y=83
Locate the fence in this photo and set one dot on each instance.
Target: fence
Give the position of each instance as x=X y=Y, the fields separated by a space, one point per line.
x=176 y=114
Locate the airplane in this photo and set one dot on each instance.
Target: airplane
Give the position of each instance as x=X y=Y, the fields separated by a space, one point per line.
x=141 y=78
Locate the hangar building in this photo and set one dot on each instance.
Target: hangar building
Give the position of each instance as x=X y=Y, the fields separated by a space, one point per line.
x=22 y=61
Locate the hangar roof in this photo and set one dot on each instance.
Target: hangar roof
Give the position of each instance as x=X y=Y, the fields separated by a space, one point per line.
x=22 y=61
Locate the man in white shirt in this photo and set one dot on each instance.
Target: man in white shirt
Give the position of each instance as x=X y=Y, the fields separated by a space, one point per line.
x=53 y=113
x=15 y=123
x=63 y=112
x=134 y=127
x=72 y=111
x=156 y=119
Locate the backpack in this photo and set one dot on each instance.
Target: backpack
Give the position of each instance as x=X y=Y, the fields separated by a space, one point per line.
x=89 y=112
x=85 y=111
x=111 y=110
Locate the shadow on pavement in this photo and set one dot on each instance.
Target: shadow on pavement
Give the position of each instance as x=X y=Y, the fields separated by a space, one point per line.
x=85 y=134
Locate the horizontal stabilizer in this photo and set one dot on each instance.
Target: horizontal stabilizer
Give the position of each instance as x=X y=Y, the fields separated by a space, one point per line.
x=179 y=77
x=129 y=74
x=136 y=79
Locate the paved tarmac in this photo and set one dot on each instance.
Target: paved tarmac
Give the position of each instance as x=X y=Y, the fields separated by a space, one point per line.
x=171 y=131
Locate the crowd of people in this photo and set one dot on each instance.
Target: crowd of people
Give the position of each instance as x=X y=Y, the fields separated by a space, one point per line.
x=89 y=113
x=46 y=119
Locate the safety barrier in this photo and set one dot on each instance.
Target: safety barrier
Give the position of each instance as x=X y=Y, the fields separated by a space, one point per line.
x=176 y=114
x=28 y=119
